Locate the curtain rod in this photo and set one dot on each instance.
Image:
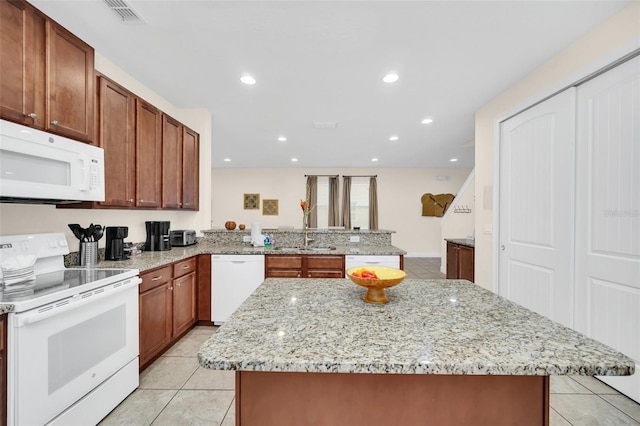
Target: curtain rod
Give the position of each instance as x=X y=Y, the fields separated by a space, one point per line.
x=322 y=175
x=375 y=176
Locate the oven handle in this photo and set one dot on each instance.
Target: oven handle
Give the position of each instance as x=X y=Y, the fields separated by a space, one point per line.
x=26 y=319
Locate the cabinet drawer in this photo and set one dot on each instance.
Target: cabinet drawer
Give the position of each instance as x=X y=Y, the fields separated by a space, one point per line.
x=284 y=273
x=155 y=278
x=283 y=262
x=317 y=273
x=325 y=262
x=184 y=267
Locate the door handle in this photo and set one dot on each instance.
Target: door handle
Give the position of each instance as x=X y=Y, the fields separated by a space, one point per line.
x=502 y=247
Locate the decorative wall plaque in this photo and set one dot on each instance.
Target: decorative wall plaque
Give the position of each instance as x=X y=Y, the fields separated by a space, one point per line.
x=270 y=207
x=252 y=201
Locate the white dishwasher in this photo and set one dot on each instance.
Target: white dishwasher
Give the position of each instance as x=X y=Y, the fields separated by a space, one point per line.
x=233 y=278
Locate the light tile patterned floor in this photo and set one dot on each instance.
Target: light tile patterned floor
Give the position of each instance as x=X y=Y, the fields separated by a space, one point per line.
x=176 y=391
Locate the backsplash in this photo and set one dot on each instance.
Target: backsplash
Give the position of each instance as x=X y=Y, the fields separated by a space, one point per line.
x=295 y=237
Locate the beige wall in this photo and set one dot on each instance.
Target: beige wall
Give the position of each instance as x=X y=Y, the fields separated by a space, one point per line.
x=459 y=225
x=616 y=37
x=399 y=192
x=22 y=218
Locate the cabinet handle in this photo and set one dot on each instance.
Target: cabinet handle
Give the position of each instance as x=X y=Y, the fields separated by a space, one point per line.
x=170 y=288
x=55 y=122
x=142 y=201
x=309 y=276
x=130 y=200
x=33 y=115
x=178 y=284
x=156 y=278
x=299 y=275
x=185 y=267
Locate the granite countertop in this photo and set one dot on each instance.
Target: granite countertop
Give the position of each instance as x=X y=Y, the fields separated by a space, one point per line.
x=428 y=327
x=154 y=259
x=462 y=241
x=6 y=308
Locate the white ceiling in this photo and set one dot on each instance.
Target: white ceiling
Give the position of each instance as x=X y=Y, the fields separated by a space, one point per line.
x=324 y=61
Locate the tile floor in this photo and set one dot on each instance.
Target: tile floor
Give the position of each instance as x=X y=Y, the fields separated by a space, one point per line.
x=176 y=391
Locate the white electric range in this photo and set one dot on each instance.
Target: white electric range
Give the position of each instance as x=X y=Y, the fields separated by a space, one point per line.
x=72 y=350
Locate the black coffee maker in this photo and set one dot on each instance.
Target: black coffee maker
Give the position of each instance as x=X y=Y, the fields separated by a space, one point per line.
x=115 y=236
x=158 y=236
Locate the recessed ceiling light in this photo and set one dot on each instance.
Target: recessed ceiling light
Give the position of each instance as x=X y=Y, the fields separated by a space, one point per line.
x=374 y=159
x=294 y=159
x=453 y=160
x=227 y=159
x=427 y=121
x=282 y=139
x=393 y=138
x=247 y=79
x=392 y=77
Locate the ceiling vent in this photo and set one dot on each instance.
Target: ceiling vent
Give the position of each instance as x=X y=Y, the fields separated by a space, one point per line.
x=325 y=124
x=125 y=11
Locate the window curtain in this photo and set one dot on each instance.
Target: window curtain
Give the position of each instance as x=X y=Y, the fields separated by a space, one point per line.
x=346 y=202
x=373 y=203
x=312 y=200
x=334 y=200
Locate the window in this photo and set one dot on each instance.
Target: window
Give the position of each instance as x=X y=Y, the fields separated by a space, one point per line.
x=360 y=202
x=323 y=202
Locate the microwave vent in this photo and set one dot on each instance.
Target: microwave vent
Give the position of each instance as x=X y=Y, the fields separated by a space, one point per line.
x=125 y=11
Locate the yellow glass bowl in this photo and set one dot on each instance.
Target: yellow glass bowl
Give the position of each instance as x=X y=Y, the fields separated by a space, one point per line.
x=387 y=277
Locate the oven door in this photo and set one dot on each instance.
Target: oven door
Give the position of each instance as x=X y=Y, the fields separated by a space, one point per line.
x=60 y=352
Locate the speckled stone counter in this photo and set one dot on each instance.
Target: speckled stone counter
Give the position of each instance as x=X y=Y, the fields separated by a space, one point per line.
x=462 y=241
x=5 y=308
x=428 y=327
x=154 y=259
x=441 y=352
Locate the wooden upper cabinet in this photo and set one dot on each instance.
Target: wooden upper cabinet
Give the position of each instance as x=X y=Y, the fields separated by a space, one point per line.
x=116 y=127
x=70 y=76
x=148 y=154
x=190 y=169
x=171 y=163
x=46 y=73
x=22 y=63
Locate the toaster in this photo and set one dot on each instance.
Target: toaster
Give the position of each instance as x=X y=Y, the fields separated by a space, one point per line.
x=183 y=237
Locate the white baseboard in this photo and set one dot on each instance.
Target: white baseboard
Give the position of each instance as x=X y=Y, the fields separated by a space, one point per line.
x=443 y=269
x=416 y=254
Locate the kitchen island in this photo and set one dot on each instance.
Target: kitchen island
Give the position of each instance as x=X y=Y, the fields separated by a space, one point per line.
x=310 y=351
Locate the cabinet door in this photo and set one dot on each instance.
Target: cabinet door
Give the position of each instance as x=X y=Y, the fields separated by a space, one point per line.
x=190 y=169
x=69 y=91
x=22 y=56
x=283 y=266
x=184 y=303
x=452 y=261
x=148 y=154
x=117 y=137
x=324 y=266
x=155 y=321
x=465 y=263
x=3 y=370
x=171 y=163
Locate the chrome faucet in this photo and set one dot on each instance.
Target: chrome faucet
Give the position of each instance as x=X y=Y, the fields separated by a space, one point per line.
x=307 y=239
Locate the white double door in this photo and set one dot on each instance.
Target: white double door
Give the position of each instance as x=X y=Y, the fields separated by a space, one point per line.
x=570 y=211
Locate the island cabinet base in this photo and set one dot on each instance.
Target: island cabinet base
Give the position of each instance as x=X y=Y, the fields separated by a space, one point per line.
x=274 y=398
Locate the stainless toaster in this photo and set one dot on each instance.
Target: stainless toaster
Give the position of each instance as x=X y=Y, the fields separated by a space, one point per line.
x=183 y=237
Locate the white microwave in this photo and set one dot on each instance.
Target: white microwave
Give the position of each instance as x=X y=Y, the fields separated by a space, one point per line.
x=40 y=167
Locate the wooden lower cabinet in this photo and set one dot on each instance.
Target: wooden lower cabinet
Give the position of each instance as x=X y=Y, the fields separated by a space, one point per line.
x=3 y=370
x=167 y=304
x=460 y=261
x=184 y=303
x=304 y=266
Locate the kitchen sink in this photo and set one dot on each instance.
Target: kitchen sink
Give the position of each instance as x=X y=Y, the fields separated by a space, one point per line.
x=320 y=248
x=287 y=248
x=328 y=248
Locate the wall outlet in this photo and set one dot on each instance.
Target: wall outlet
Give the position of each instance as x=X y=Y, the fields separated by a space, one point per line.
x=488 y=228
x=354 y=239
x=246 y=238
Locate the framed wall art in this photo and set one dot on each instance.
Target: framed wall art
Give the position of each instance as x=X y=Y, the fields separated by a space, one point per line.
x=252 y=201
x=270 y=207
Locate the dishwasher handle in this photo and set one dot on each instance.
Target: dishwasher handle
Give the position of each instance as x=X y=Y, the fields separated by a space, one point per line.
x=74 y=302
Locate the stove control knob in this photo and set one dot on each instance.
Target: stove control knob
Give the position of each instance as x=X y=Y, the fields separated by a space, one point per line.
x=62 y=243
